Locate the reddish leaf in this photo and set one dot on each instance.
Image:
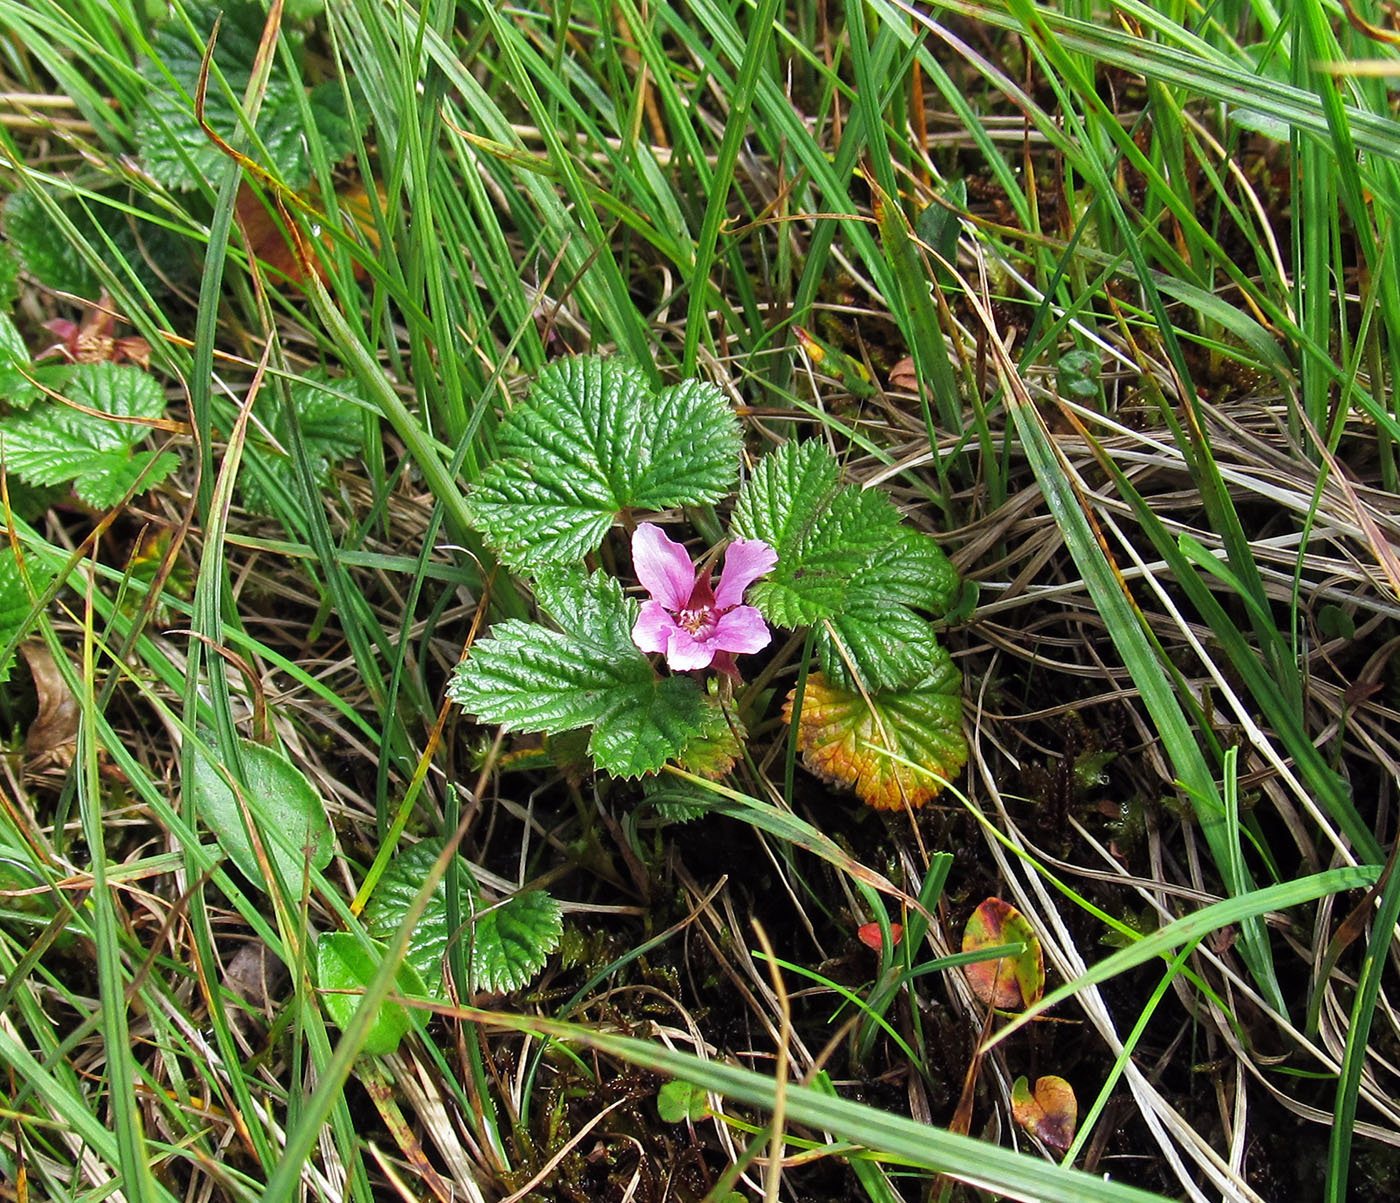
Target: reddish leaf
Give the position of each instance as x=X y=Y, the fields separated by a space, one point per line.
x=1049 y=1113
x=286 y=252
x=1012 y=982
x=869 y=934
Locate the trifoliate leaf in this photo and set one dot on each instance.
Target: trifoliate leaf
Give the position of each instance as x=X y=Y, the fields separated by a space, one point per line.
x=864 y=744
x=173 y=147
x=344 y=967
x=509 y=942
x=54 y=443
x=591 y=439
x=332 y=429
x=289 y=813
x=14 y=600
x=844 y=562
x=527 y=677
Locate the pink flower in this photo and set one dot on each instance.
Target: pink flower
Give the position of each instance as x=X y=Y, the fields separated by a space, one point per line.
x=695 y=625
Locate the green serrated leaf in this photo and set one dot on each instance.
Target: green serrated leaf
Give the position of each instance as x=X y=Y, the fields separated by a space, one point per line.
x=677 y=801
x=338 y=127
x=815 y=580
x=329 y=415
x=389 y=904
x=912 y=571
x=690 y=448
x=527 y=677
x=712 y=751
x=55 y=443
x=289 y=813
x=512 y=941
x=42 y=250
x=593 y=439
x=846 y=565
x=509 y=942
x=113 y=473
x=176 y=151
x=869 y=742
x=344 y=967
x=887 y=645
x=14 y=601
x=142 y=242
x=16 y=390
x=786 y=496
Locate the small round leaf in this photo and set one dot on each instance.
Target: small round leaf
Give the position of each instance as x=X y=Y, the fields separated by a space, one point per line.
x=1049 y=1112
x=1010 y=982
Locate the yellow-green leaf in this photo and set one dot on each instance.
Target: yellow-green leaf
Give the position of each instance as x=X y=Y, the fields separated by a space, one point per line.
x=891 y=746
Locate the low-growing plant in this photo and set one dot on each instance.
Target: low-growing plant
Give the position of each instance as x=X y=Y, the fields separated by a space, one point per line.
x=80 y=423
x=594 y=445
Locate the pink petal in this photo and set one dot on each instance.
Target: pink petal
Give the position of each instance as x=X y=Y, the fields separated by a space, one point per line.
x=684 y=652
x=653 y=627
x=744 y=562
x=663 y=567
x=742 y=629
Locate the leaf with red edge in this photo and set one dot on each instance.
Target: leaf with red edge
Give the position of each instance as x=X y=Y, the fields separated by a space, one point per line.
x=1049 y=1112
x=869 y=935
x=863 y=741
x=1011 y=982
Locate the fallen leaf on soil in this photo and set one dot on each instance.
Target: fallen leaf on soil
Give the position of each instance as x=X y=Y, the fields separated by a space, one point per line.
x=903 y=377
x=287 y=252
x=1049 y=1112
x=869 y=934
x=52 y=738
x=1012 y=982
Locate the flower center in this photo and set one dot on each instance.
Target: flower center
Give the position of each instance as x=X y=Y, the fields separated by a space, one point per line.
x=697 y=621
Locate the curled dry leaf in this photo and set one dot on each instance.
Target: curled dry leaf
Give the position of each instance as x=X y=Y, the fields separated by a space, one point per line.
x=1011 y=982
x=1049 y=1112
x=903 y=376
x=52 y=738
